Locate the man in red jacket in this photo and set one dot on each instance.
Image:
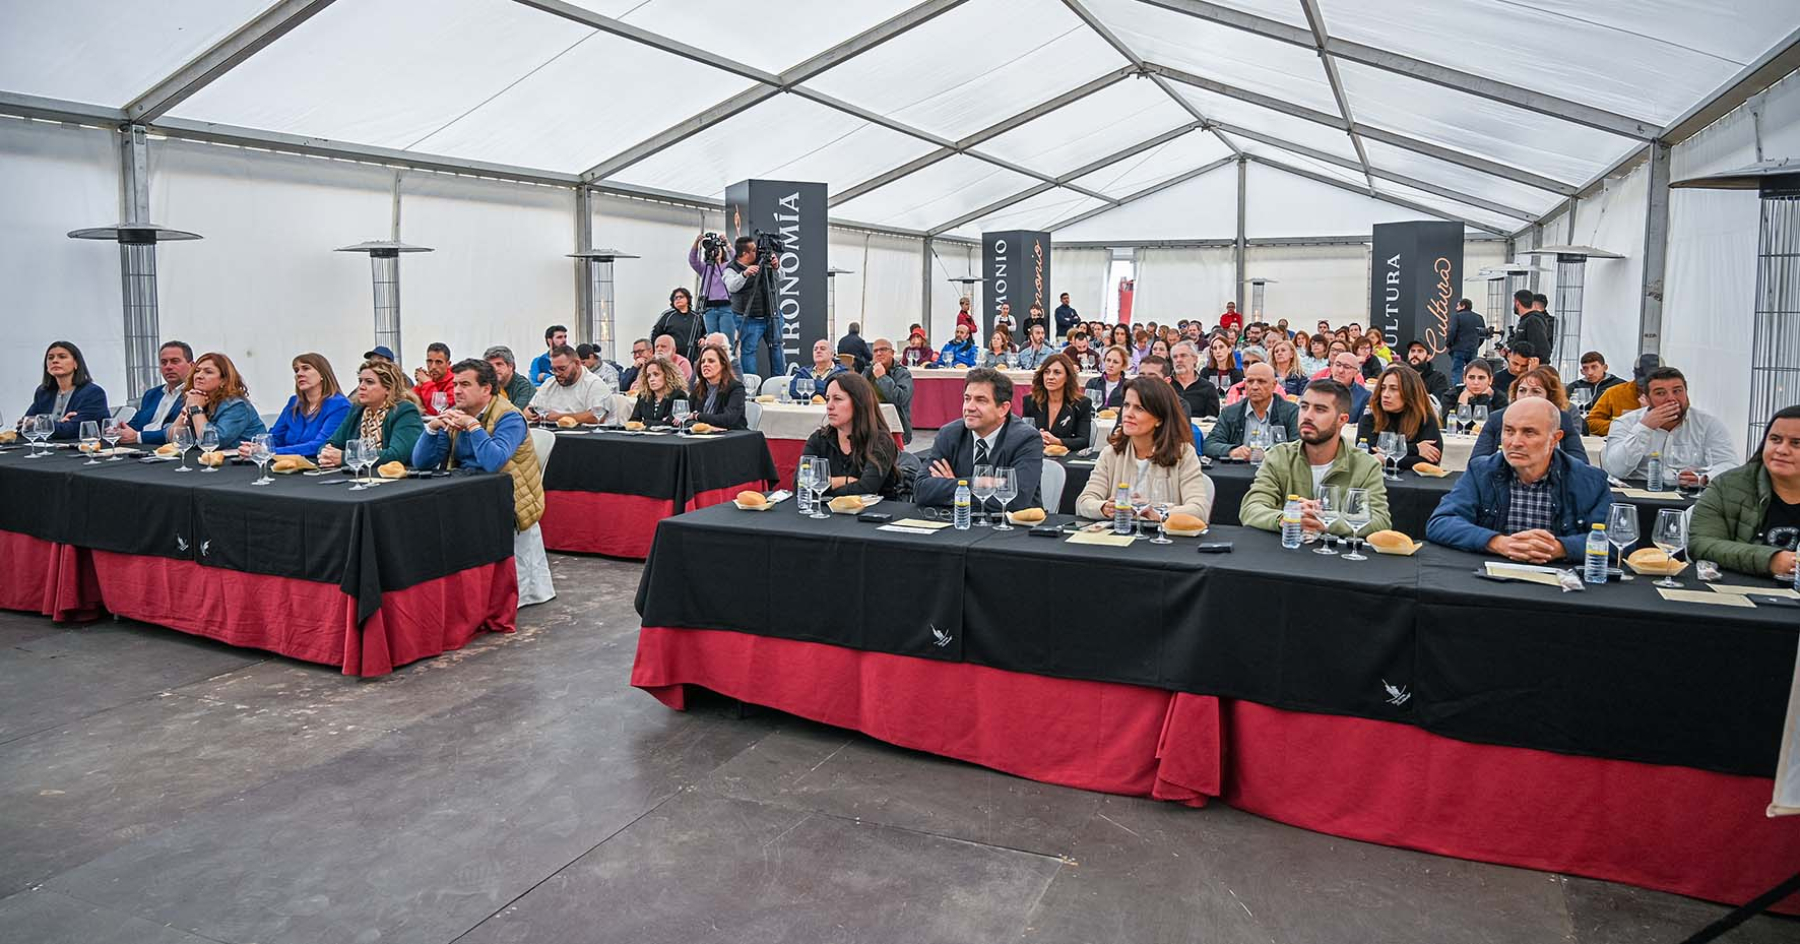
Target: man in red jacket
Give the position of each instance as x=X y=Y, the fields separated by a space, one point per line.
x=1231 y=318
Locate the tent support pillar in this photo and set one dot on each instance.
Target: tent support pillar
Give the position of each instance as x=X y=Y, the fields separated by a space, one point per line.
x=1237 y=249
x=584 y=240
x=925 y=287
x=1656 y=251
x=137 y=265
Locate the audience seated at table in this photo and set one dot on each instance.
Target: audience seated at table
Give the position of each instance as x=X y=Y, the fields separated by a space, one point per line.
x=998 y=354
x=515 y=386
x=1477 y=389
x=1521 y=359
x=311 y=415
x=1080 y=350
x=893 y=383
x=1107 y=391
x=1057 y=407
x=215 y=398
x=1284 y=357
x=1545 y=384
x=808 y=380
x=1222 y=368
x=1317 y=457
x=919 y=352
x=1621 y=398
x=1151 y=443
x=1685 y=435
x=717 y=396
x=150 y=424
x=434 y=377
x=1595 y=378
x=959 y=351
x=665 y=347
x=485 y=431
x=656 y=396
x=1402 y=406
x=855 y=440
x=68 y=392
x=1347 y=370
x=1196 y=392
x=384 y=414
x=1036 y=351
x=572 y=390
x=1748 y=520
x=1530 y=501
x=1418 y=357
x=987 y=434
x=1260 y=409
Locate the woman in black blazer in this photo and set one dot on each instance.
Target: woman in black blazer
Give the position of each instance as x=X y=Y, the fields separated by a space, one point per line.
x=1108 y=389
x=657 y=394
x=1057 y=407
x=718 y=396
x=855 y=440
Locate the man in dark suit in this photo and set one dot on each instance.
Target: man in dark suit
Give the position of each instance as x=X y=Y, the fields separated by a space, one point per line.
x=987 y=434
x=157 y=410
x=1259 y=409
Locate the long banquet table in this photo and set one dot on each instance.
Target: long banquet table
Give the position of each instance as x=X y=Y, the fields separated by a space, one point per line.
x=303 y=567
x=1400 y=700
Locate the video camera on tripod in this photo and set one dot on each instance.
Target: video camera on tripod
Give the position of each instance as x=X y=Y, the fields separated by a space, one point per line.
x=715 y=248
x=769 y=248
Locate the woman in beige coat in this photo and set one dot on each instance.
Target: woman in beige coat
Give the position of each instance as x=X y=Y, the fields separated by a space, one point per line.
x=1152 y=442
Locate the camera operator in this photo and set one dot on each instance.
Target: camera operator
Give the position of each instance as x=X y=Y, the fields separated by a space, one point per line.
x=748 y=278
x=708 y=258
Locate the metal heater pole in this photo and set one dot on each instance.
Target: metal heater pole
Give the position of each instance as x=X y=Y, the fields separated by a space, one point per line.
x=137 y=266
x=1571 y=277
x=1775 y=348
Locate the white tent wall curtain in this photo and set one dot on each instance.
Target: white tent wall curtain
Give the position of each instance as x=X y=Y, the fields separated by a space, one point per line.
x=953 y=260
x=1085 y=275
x=1173 y=284
x=882 y=294
x=660 y=234
x=55 y=178
x=1310 y=282
x=1612 y=220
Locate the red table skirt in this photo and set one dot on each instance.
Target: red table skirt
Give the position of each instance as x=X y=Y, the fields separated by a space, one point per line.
x=301 y=619
x=1670 y=828
x=617 y=525
x=937 y=397
x=786 y=453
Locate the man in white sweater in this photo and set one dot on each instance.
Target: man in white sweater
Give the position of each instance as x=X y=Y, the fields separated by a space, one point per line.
x=1693 y=443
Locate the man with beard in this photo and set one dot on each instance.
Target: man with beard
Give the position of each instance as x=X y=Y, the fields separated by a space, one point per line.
x=434 y=378
x=1693 y=442
x=572 y=390
x=1419 y=356
x=1320 y=458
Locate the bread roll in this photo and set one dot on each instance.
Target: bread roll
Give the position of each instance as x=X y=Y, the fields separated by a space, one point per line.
x=1182 y=521
x=392 y=470
x=634 y=424
x=568 y=422
x=9 y=436
x=1107 y=414
x=703 y=428
x=1649 y=557
x=847 y=503
x=1057 y=450
x=1426 y=468
x=214 y=459
x=1028 y=516
x=166 y=449
x=285 y=464
x=1390 y=540
x=750 y=498
x=818 y=400
x=767 y=398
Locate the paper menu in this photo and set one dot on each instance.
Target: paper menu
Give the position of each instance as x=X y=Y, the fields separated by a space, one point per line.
x=1697 y=596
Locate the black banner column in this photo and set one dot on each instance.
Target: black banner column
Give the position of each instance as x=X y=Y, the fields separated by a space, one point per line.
x=1415 y=278
x=1015 y=271
x=796 y=213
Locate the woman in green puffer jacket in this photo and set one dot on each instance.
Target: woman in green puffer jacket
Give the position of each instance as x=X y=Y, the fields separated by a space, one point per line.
x=1748 y=520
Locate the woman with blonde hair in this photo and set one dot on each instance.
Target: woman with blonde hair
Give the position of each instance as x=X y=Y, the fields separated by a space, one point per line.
x=384 y=414
x=217 y=399
x=1285 y=358
x=656 y=396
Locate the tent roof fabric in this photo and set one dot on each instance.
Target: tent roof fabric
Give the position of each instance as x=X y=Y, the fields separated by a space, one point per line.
x=944 y=116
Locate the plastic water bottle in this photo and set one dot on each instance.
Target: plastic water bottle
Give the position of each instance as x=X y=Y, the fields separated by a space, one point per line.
x=1653 y=475
x=960 y=518
x=1290 y=523
x=1362 y=446
x=1598 y=555
x=1122 y=508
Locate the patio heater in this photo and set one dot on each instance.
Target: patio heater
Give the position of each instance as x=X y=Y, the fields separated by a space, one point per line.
x=831 y=275
x=384 y=265
x=597 y=322
x=1258 y=292
x=1571 y=277
x=1775 y=348
x=137 y=275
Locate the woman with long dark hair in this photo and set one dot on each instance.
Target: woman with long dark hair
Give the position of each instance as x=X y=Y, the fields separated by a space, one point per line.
x=1401 y=405
x=68 y=392
x=1221 y=367
x=855 y=439
x=312 y=414
x=216 y=398
x=718 y=396
x=1152 y=442
x=1062 y=414
x=1748 y=519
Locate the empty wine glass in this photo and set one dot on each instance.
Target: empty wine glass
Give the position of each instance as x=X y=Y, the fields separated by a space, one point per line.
x=1258 y=441
x=183 y=438
x=1581 y=398
x=209 y=444
x=260 y=453
x=1622 y=531
x=353 y=460
x=1277 y=436
x=1479 y=414
x=1670 y=535
x=371 y=457
x=1006 y=488
x=439 y=401
x=1331 y=504
x=90 y=441
x=30 y=430
x=681 y=411
x=1140 y=502
x=1393 y=449
x=1356 y=515
x=821 y=481
x=1161 y=501
x=112 y=432
x=1463 y=415
x=982 y=487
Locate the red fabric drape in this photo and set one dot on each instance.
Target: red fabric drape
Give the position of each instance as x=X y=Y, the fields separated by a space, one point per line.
x=786 y=453
x=616 y=525
x=55 y=580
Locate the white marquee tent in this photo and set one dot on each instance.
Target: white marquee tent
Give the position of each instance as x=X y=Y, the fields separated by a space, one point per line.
x=1208 y=139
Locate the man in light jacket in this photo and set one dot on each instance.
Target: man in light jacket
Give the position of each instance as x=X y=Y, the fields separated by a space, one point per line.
x=893 y=383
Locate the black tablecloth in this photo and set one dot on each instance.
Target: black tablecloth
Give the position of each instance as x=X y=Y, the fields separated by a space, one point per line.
x=1613 y=671
x=657 y=466
x=390 y=537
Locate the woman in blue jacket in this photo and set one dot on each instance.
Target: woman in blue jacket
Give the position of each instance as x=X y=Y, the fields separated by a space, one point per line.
x=217 y=399
x=959 y=352
x=312 y=414
x=68 y=392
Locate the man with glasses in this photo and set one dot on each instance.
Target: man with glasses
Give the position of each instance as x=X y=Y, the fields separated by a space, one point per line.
x=893 y=383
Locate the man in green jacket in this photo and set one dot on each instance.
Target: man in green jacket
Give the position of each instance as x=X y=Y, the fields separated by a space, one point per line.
x=1321 y=457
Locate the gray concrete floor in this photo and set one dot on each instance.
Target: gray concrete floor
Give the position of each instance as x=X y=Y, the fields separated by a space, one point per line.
x=158 y=789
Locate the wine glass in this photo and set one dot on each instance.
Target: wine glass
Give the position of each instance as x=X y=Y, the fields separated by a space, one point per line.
x=1258 y=441
x=1006 y=488
x=29 y=429
x=1277 y=436
x=371 y=456
x=1684 y=457
x=1393 y=449
x=680 y=412
x=821 y=481
x=439 y=400
x=1581 y=398
x=112 y=432
x=1356 y=514
x=260 y=453
x=353 y=460
x=90 y=441
x=1463 y=415
x=1331 y=506
x=1161 y=501
x=1670 y=535
x=1140 y=501
x=209 y=444
x=1479 y=414
x=1622 y=531
x=183 y=437
x=982 y=487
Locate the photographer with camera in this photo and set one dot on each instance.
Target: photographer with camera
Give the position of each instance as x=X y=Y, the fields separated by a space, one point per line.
x=749 y=278
x=708 y=258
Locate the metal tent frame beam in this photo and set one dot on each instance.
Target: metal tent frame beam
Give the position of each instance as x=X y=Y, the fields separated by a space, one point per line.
x=224 y=55
x=1316 y=20
x=1147 y=191
x=1378 y=195
x=1137 y=62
